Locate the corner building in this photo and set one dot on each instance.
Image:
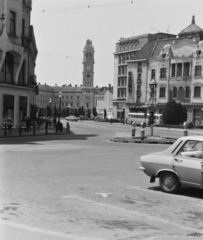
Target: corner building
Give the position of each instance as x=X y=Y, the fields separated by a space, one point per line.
x=18 y=54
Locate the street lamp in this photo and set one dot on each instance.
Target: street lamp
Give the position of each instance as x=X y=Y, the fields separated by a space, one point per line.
x=153 y=86
x=60 y=96
x=50 y=101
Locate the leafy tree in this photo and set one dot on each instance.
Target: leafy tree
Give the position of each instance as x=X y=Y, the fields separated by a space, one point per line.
x=175 y=113
x=105 y=113
x=88 y=113
x=94 y=111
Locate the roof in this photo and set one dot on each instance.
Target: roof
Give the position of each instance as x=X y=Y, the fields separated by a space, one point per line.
x=191 y=29
x=146 y=51
x=160 y=44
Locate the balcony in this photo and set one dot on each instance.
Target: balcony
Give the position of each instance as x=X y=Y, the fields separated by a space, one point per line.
x=27 y=5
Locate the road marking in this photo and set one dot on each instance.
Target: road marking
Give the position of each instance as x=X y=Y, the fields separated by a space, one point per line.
x=45 y=231
x=136 y=213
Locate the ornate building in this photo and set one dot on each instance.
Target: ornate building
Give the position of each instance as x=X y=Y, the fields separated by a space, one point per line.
x=174 y=65
x=18 y=54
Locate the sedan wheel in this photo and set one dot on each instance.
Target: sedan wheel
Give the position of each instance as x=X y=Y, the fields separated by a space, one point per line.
x=169 y=182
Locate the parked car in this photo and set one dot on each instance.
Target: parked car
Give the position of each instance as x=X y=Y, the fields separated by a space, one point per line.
x=72 y=118
x=180 y=164
x=84 y=118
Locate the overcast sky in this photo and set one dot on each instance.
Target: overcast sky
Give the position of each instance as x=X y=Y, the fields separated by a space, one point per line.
x=63 y=26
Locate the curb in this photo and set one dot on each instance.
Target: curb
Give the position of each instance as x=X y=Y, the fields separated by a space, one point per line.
x=141 y=141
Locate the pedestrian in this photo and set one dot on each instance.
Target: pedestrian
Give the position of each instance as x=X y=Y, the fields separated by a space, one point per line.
x=111 y=120
x=54 y=121
x=67 y=127
x=28 y=124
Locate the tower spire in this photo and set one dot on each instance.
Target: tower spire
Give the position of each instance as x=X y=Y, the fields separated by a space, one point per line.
x=193 y=19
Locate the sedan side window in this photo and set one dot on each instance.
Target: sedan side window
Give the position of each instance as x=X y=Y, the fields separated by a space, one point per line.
x=192 y=149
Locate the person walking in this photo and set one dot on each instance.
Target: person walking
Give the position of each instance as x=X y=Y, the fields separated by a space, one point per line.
x=28 y=123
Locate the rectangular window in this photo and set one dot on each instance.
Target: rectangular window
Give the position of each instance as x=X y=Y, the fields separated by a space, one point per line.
x=139 y=76
x=174 y=92
x=8 y=109
x=179 y=69
x=187 y=92
x=87 y=105
x=197 y=92
x=173 y=71
x=198 y=70
x=162 y=92
x=153 y=74
x=163 y=73
x=12 y=23
x=139 y=69
x=186 y=69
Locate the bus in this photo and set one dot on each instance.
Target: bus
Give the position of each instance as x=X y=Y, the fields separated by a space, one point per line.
x=140 y=117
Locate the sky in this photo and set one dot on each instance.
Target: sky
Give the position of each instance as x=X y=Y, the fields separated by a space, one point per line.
x=62 y=27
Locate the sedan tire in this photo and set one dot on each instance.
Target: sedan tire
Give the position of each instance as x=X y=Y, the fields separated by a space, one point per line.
x=169 y=182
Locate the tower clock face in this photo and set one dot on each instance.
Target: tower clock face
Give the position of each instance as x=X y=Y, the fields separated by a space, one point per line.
x=88 y=67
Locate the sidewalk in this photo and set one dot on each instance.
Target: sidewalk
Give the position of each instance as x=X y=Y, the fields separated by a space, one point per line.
x=24 y=132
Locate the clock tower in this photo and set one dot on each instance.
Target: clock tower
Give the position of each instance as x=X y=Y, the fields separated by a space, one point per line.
x=88 y=67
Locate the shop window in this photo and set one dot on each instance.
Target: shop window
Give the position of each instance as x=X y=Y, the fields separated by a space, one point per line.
x=163 y=73
x=162 y=92
x=8 y=109
x=6 y=74
x=198 y=70
x=197 y=91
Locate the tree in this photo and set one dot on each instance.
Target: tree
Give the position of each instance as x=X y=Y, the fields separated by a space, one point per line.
x=105 y=113
x=94 y=111
x=175 y=113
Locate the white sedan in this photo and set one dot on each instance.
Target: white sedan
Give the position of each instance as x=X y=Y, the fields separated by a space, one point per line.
x=72 y=118
x=180 y=164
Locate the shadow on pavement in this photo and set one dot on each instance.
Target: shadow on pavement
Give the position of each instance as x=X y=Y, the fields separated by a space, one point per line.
x=40 y=138
x=184 y=191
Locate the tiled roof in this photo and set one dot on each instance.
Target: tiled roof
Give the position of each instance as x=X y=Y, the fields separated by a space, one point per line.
x=192 y=28
x=160 y=44
x=146 y=51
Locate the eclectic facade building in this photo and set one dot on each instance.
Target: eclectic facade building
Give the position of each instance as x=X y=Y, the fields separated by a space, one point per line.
x=18 y=54
x=173 y=64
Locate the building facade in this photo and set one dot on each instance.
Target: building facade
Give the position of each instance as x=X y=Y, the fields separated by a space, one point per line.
x=173 y=64
x=18 y=54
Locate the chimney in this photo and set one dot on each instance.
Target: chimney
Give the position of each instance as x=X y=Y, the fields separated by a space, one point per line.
x=109 y=86
x=45 y=84
x=81 y=85
x=76 y=85
x=96 y=86
x=55 y=84
x=39 y=83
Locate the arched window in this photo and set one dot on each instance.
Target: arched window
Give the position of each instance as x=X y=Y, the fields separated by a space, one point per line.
x=21 y=79
x=88 y=76
x=6 y=74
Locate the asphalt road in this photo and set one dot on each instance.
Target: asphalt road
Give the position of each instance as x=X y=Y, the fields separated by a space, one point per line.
x=82 y=186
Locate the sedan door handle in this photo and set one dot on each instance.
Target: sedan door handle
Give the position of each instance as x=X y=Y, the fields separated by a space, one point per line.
x=178 y=160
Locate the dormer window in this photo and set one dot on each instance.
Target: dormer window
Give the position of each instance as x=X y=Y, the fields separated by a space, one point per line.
x=198 y=52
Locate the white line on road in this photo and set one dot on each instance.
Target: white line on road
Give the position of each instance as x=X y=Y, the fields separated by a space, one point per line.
x=45 y=231
x=138 y=214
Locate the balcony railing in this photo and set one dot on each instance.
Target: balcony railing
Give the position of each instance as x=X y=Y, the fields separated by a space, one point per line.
x=27 y=4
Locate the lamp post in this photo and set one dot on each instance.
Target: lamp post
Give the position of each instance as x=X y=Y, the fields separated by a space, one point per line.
x=50 y=101
x=153 y=86
x=60 y=96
